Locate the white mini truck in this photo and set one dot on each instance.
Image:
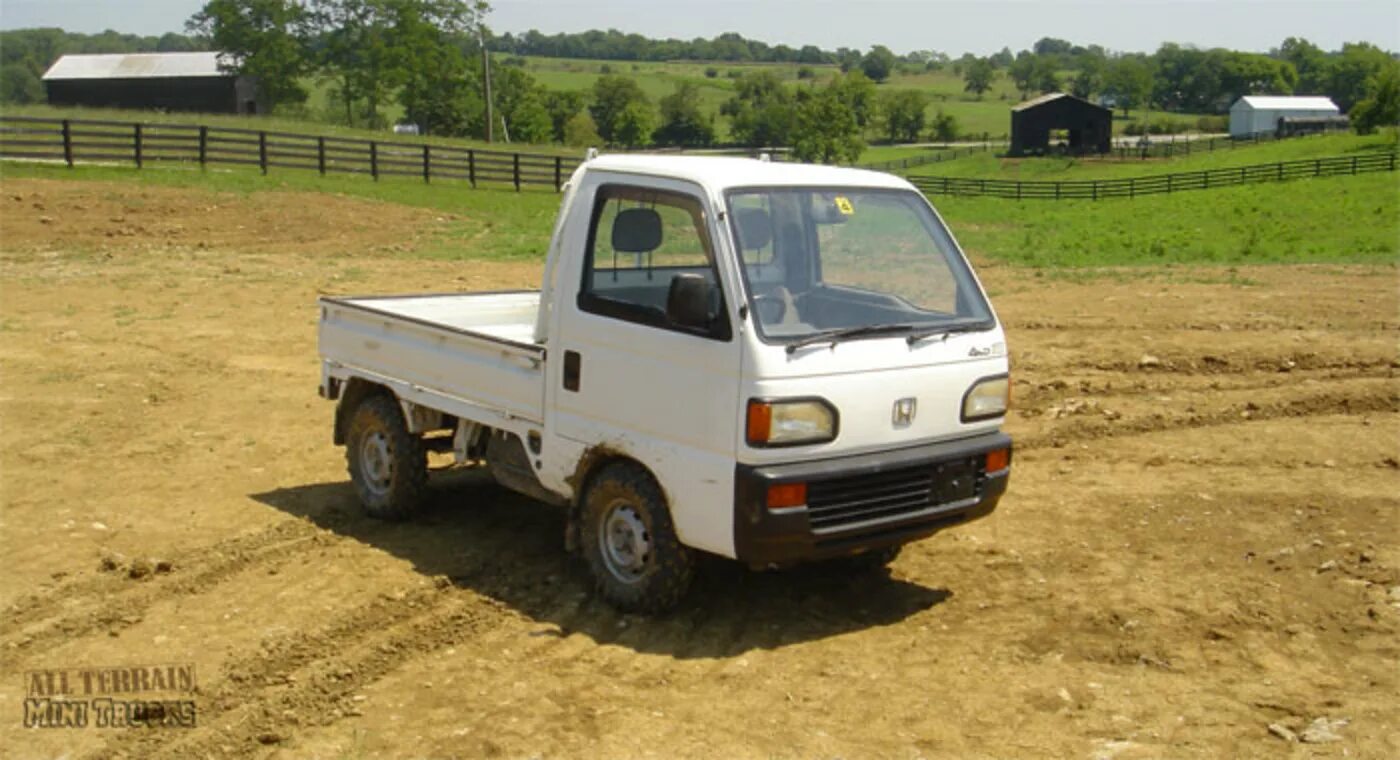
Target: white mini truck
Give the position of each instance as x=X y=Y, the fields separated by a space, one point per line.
x=770 y=362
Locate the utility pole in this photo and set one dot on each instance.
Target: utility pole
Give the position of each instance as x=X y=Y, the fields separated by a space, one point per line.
x=486 y=77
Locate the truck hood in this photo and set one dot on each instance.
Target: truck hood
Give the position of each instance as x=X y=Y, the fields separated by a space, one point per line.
x=865 y=378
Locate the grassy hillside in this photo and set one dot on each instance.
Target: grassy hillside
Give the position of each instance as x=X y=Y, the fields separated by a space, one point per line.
x=1342 y=219
x=1339 y=219
x=990 y=166
x=990 y=114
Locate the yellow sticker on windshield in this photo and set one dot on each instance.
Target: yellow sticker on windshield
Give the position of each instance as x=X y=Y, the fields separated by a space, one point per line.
x=843 y=204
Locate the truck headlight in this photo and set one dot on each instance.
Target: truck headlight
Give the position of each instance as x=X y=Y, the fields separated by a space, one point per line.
x=790 y=423
x=986 y=398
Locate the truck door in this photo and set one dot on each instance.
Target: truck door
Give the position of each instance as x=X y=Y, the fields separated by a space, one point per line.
x=625 y=374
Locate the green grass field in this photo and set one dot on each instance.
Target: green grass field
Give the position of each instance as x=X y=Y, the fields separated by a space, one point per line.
x=1338 y=220
x=991 y=166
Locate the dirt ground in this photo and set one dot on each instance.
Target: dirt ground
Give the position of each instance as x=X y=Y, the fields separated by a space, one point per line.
x=1201 y=539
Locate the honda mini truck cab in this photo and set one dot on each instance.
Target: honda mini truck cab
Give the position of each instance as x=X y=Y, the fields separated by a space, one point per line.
x=775 y=363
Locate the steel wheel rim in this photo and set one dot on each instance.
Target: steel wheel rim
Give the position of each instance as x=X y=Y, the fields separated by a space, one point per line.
x=625 y=542
x=377 y=462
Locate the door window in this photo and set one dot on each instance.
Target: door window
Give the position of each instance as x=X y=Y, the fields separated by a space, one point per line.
x=642 y=239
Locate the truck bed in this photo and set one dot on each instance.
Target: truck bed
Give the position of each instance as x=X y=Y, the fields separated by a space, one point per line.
x=467 y=354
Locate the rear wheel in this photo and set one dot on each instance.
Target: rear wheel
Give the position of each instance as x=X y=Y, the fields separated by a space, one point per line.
x=630 y=545
x=388 y=464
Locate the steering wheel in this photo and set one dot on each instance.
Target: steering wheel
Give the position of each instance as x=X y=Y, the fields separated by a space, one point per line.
x=771 y=308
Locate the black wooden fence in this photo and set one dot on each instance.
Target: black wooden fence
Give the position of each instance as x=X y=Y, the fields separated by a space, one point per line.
x=1132 y=187
x=86 y=140
x=937 y=157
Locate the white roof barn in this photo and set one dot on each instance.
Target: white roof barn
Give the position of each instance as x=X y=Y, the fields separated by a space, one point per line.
x=202 y=82
x=137 y=66
x=1258 y=114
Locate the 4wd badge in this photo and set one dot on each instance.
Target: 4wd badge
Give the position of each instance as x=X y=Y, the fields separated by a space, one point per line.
x=904 y=410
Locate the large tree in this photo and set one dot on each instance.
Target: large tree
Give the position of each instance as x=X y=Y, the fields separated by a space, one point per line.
x=1129 y=82
x=878 y=64
x=621 y=110
x=266 y=39
x=978 y=75
x=903 y=112
x=682 y=122
x=1381 y=106
x=826 y=130
x=761 y=111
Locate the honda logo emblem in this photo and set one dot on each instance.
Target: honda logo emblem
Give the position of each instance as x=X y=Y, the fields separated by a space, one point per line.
x=904 y=411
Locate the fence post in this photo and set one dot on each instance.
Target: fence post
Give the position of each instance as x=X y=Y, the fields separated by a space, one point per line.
x=1317 y=167
x=1057 y=190
x=515 y=170
x=1353 y=164
x=558 y=172
x=471 y=166
x=68 y=143
x=427 y=165
x=203 y=146
x=1280 y=171
x=262 y=151
x=136 y=143
x=321 y=155
x=374 y=160
x=1392 y=161
x=1169 y=183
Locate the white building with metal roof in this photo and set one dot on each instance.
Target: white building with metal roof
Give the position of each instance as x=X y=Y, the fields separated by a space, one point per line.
x=1260 y=114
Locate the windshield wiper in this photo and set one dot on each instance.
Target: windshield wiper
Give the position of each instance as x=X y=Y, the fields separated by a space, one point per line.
x=844 y=333
x=923 y=335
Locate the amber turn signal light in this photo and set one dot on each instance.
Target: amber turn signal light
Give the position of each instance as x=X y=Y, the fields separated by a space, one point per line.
x=998 y=460
x=785 y=495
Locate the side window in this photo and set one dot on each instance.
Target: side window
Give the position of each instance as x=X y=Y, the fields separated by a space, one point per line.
x=640 y=241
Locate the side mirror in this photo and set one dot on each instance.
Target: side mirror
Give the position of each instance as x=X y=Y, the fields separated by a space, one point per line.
x=688 y=301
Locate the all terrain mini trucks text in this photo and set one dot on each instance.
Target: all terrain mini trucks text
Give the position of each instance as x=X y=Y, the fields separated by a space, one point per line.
x=775 y=363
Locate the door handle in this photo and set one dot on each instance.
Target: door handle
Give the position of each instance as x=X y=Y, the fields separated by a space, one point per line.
x=573 y=368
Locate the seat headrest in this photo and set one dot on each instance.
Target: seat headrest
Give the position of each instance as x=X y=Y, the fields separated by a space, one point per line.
x=755 y=228
x=636 y=230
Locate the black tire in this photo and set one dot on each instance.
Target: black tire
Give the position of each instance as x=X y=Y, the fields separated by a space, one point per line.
x=629 y=542
x=388 y=465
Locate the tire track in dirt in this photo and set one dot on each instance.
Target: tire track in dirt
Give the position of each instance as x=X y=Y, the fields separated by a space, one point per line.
x=1097 y=326
x=307 y=679
x=1100 y=386
x=1384 y=398
x=1210 y=364
x=114 y=601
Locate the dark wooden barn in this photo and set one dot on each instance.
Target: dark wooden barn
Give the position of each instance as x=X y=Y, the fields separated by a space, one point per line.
x=164 y=81
x=1086 y=128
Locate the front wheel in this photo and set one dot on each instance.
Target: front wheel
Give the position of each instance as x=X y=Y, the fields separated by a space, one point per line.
x=388 y=464
x=630 y=544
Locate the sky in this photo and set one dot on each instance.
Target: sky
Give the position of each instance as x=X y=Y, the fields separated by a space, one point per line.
x=951 y=26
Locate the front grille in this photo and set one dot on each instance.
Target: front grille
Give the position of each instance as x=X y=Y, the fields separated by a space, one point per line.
x=857 y=501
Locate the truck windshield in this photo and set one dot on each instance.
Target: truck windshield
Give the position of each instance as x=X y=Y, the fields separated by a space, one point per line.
x=837 y=262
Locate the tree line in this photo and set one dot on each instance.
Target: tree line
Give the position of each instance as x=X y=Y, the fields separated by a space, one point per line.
x=1183 y=79
x=426 y=56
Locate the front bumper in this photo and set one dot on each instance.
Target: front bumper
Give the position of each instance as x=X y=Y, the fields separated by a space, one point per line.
x=868 y=501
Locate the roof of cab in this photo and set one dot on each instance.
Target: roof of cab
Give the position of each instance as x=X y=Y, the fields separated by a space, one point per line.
x=719 y=173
